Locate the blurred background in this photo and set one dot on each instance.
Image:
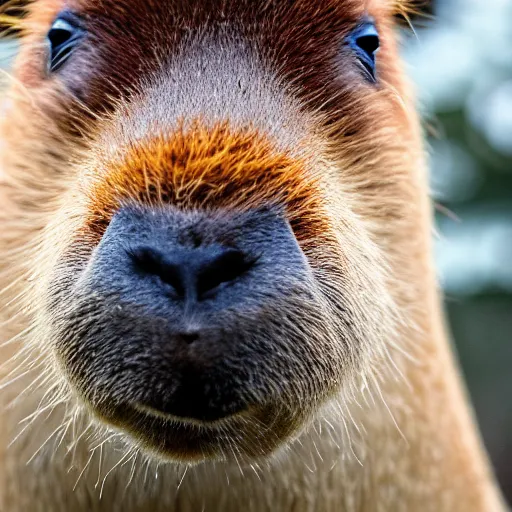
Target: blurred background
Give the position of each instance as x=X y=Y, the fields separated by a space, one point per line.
x=461 y=62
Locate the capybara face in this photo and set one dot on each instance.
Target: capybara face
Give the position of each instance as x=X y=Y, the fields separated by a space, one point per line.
x=214 y=184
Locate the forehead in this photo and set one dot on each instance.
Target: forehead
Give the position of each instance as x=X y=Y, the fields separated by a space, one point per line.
x=279 y=30
x=176 y=13
x=130 y=41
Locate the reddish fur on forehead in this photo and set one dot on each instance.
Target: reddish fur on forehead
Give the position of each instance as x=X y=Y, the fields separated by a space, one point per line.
x=301 y=41
x=42 y=12
x=201 y=167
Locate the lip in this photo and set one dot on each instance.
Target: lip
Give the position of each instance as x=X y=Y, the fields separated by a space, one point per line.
x=256 y=431
x=187 y=439
x=156 y=413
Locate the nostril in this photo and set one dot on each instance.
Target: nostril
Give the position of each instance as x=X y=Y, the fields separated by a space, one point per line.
x=188 y=337
x=194 y=274
x=151 y=261
x=224 y=268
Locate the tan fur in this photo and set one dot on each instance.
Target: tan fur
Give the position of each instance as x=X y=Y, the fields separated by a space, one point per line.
x=398 y=433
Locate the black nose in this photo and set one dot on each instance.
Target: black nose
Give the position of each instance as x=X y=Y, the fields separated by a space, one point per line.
x=185 y=265
x=181 y=295
x=193 y=273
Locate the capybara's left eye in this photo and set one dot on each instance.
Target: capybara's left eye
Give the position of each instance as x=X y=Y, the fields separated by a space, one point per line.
x=63 y=37
x=364 y=40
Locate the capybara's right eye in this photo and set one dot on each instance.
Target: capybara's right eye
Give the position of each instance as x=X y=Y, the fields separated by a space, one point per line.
x=63 y=37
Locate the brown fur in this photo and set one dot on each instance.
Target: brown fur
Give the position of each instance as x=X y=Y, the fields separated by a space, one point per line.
x=345 y=161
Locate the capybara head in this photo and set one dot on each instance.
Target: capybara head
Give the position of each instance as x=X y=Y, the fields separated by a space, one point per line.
x=213 y=194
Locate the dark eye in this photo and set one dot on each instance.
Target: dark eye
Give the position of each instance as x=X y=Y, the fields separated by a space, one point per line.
x=364 y=40
x=63 y=37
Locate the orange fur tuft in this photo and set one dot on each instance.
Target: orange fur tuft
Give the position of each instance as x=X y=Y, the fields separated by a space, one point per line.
x=202 y=167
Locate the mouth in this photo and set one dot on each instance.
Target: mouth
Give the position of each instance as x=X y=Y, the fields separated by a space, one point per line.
x=189 y=415
x=247 y=435
x=153 y=413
